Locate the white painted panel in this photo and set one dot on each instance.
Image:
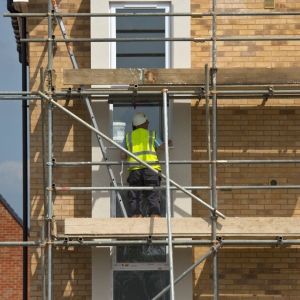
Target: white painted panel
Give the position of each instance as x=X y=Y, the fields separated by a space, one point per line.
x=181 y=136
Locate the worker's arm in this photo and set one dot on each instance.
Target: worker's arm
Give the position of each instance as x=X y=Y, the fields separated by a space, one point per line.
x=162 y=146
x=123 y=155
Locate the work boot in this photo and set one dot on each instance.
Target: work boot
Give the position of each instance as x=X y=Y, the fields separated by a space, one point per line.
x=137 y=216
x=155 y=216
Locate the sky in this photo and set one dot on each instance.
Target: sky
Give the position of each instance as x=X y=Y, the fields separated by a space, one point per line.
x=11 y=184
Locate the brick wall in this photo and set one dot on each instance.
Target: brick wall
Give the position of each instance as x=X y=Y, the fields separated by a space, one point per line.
x=234 y=54
x=71 y=143
x=245 y=130
x=249 y=129
x=11 y=258
x=251 y=133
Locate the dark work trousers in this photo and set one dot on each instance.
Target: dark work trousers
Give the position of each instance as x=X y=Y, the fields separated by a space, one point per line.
x=144 y=177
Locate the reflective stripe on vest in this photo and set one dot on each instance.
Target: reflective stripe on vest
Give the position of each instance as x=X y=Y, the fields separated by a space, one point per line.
x=140 y=142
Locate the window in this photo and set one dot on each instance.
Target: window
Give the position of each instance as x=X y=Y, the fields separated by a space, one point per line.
x=137 y=285
x=138 y=254
x=139 y=272
x=103 y=56
x=136 y=268
x=139 y=55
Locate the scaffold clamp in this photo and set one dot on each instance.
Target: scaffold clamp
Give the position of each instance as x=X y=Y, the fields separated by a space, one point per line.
x=135 y=94
x=199 y=40
x=54 y=17
x=149 y=240
x=54 y=43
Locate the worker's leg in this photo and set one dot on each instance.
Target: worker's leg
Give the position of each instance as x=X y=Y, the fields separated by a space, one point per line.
x=152 y=179
x=135 y=196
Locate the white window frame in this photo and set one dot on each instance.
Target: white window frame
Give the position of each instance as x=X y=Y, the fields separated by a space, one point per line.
x=114 y=6
x=147 y=266
x=128 y=266
x=141 y=5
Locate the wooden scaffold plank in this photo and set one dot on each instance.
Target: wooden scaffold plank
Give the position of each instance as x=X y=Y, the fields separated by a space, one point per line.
x=255 y=227
x=225 y=76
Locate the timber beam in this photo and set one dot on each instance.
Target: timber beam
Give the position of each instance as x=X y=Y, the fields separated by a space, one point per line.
x=166 y=77
x=130 y=228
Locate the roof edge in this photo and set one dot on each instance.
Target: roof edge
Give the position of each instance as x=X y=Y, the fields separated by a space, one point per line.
x=11 y=211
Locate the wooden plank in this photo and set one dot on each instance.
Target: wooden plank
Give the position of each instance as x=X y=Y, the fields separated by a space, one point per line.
x=262 y=227
x=225 y=76
x=131 y=76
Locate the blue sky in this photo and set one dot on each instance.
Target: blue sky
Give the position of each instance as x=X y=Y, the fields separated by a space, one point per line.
x=10 y=117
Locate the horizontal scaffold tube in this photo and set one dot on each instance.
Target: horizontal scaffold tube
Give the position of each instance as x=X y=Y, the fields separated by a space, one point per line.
x=59 y=14
x=193 y=15
x=96 y=163
x=20 y=98
x=188 y=94
x=182 y=39
x=162 y=187
x=69 y=40
x=22 y=244
x=81 y=242
x=266 y=91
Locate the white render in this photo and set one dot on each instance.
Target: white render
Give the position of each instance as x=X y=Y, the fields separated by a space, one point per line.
x=181 y=150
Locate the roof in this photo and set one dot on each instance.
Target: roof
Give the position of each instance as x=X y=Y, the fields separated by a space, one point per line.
x=11 y=211
x=15 y=26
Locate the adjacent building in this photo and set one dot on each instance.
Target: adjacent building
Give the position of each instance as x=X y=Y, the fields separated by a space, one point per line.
x=247 y=128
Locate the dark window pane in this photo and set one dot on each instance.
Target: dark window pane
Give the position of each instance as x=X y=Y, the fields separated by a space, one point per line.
x=140 y=62
x=140 y=254
x=140 y=27
x=140 y=23
x=141 y=46
x=140 y=285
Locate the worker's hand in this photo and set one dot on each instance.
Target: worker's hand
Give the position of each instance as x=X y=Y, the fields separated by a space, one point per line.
x=123 y=155
x=162 y=146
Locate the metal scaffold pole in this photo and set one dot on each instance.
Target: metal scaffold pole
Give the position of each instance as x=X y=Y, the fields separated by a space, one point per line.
x=214 y=150
x=42 y=233
x=50 y=145
x=208 y=138
x=168 y=197
x=213 y=250
x=90 y=110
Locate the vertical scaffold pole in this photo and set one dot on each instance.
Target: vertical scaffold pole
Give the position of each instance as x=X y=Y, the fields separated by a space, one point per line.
x=214 y=149
x=42 y=78
x=44 y=186
x=208 y=144
x=50 y=107
x=42 y=229
x=50 y=215
x=25 y=162
x=168 y=198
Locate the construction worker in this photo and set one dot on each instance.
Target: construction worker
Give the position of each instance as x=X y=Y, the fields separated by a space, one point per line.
x=143 y=143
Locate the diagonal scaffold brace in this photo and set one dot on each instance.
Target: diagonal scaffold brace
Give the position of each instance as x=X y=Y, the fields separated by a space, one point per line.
x=212 y=209
x=89 y=107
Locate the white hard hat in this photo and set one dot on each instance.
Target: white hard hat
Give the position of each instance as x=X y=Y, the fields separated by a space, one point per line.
x=139 y=119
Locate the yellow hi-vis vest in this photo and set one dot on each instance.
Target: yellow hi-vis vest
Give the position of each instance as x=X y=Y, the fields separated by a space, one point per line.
x=140 y=142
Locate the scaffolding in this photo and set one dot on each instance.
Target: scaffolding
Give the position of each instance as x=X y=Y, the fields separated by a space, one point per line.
x=161 y=94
